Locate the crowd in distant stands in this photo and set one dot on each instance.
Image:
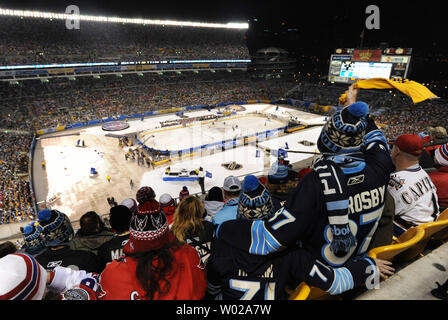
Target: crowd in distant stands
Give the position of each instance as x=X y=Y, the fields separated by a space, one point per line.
x=42 y=41
x=34 y=105
x=15 y=198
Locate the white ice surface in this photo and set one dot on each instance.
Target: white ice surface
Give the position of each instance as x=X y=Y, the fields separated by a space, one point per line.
x=66 y=166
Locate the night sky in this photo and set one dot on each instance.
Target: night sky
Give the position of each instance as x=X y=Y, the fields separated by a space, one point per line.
x=403 y=23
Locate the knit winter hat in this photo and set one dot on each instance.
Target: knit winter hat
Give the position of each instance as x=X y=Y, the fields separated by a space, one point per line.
x=278 y=173
x=33 y=237
x=255 y=201
x=166 y=200
x=56 y=227
x=441 y=155
x=215 y=194
x=130 y=203
x=148 y=230
x=120 y=218
x=344 y=131
x=21 y=278
x=145 y=194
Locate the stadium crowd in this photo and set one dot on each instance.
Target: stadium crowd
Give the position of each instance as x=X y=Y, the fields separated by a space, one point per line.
x=145 y=239
x=34 y=105
x=46 y=41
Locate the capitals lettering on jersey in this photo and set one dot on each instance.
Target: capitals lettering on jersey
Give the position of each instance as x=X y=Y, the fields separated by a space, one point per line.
x=415 y=191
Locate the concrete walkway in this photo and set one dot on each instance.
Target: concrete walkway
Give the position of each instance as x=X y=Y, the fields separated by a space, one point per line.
x=415 y=281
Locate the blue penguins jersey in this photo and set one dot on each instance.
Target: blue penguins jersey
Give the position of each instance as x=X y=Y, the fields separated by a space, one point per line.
x=234 y=274
x=304 y=217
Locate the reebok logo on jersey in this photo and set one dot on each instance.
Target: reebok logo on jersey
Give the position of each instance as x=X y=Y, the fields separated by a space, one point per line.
x=355 y=180
x=54 y=264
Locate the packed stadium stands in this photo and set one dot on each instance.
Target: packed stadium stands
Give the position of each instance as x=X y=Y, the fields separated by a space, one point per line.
x=30 y=105
x=42 y=41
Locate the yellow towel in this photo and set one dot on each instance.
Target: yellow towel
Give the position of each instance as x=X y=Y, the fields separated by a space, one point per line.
x=415 y=90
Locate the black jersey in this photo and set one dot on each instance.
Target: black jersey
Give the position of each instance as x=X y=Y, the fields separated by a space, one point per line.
x=112 y=249
x=304 y=218
x=234 y=274
x=66 y=257
x=201 y=240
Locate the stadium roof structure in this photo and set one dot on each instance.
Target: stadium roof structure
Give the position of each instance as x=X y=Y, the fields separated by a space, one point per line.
x=80 y=17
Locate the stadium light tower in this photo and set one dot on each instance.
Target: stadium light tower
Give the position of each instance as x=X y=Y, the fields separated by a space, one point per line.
x=64 y=16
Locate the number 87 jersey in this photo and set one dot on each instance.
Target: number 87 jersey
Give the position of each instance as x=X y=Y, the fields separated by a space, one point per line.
x=304 y=218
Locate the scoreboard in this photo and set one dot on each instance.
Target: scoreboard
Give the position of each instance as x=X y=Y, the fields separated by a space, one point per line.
x=350 y=65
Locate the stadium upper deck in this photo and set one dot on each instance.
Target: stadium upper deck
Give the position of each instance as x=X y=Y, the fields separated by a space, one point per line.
x=27 y=40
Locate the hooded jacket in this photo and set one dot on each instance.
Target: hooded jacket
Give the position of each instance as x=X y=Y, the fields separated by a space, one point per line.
x=91 y=242
x=212 y=207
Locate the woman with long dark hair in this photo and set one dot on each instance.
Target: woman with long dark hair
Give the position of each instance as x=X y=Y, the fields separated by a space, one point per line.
x=155 y=265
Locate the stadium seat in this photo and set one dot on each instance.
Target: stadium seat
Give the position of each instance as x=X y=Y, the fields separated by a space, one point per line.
x=442 y=235
x=306 y=292
x=430 y=228
x=302 y=292
x=406 y=241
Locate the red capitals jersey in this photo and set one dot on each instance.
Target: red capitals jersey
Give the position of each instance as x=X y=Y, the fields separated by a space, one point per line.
x=187 y=279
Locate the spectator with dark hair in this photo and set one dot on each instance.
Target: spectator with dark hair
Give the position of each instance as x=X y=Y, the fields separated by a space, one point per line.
x=231 y=189
x=120 y=219
x=183 y=193
x=190 y=227
x=213 y=202
x=145 y=194
x=91 y=234
x=7 y=248
x=58 y=233
x=168 y=206
x=279 y=183
x=155 y=266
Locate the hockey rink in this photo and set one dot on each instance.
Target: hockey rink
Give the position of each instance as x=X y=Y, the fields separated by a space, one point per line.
x=208 y=132
x=73 y=191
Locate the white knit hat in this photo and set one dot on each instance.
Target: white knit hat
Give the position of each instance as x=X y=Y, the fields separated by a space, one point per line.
x=21 y=278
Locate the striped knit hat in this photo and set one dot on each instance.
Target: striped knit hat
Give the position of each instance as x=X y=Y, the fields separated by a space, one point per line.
x=255 y=201
x=278 y=173
x=56 y=227
x=33 y=237
x=441 y=155
x=344 y=131
x=21 y=278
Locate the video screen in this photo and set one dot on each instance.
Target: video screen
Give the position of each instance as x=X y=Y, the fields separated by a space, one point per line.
x=365 y=70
